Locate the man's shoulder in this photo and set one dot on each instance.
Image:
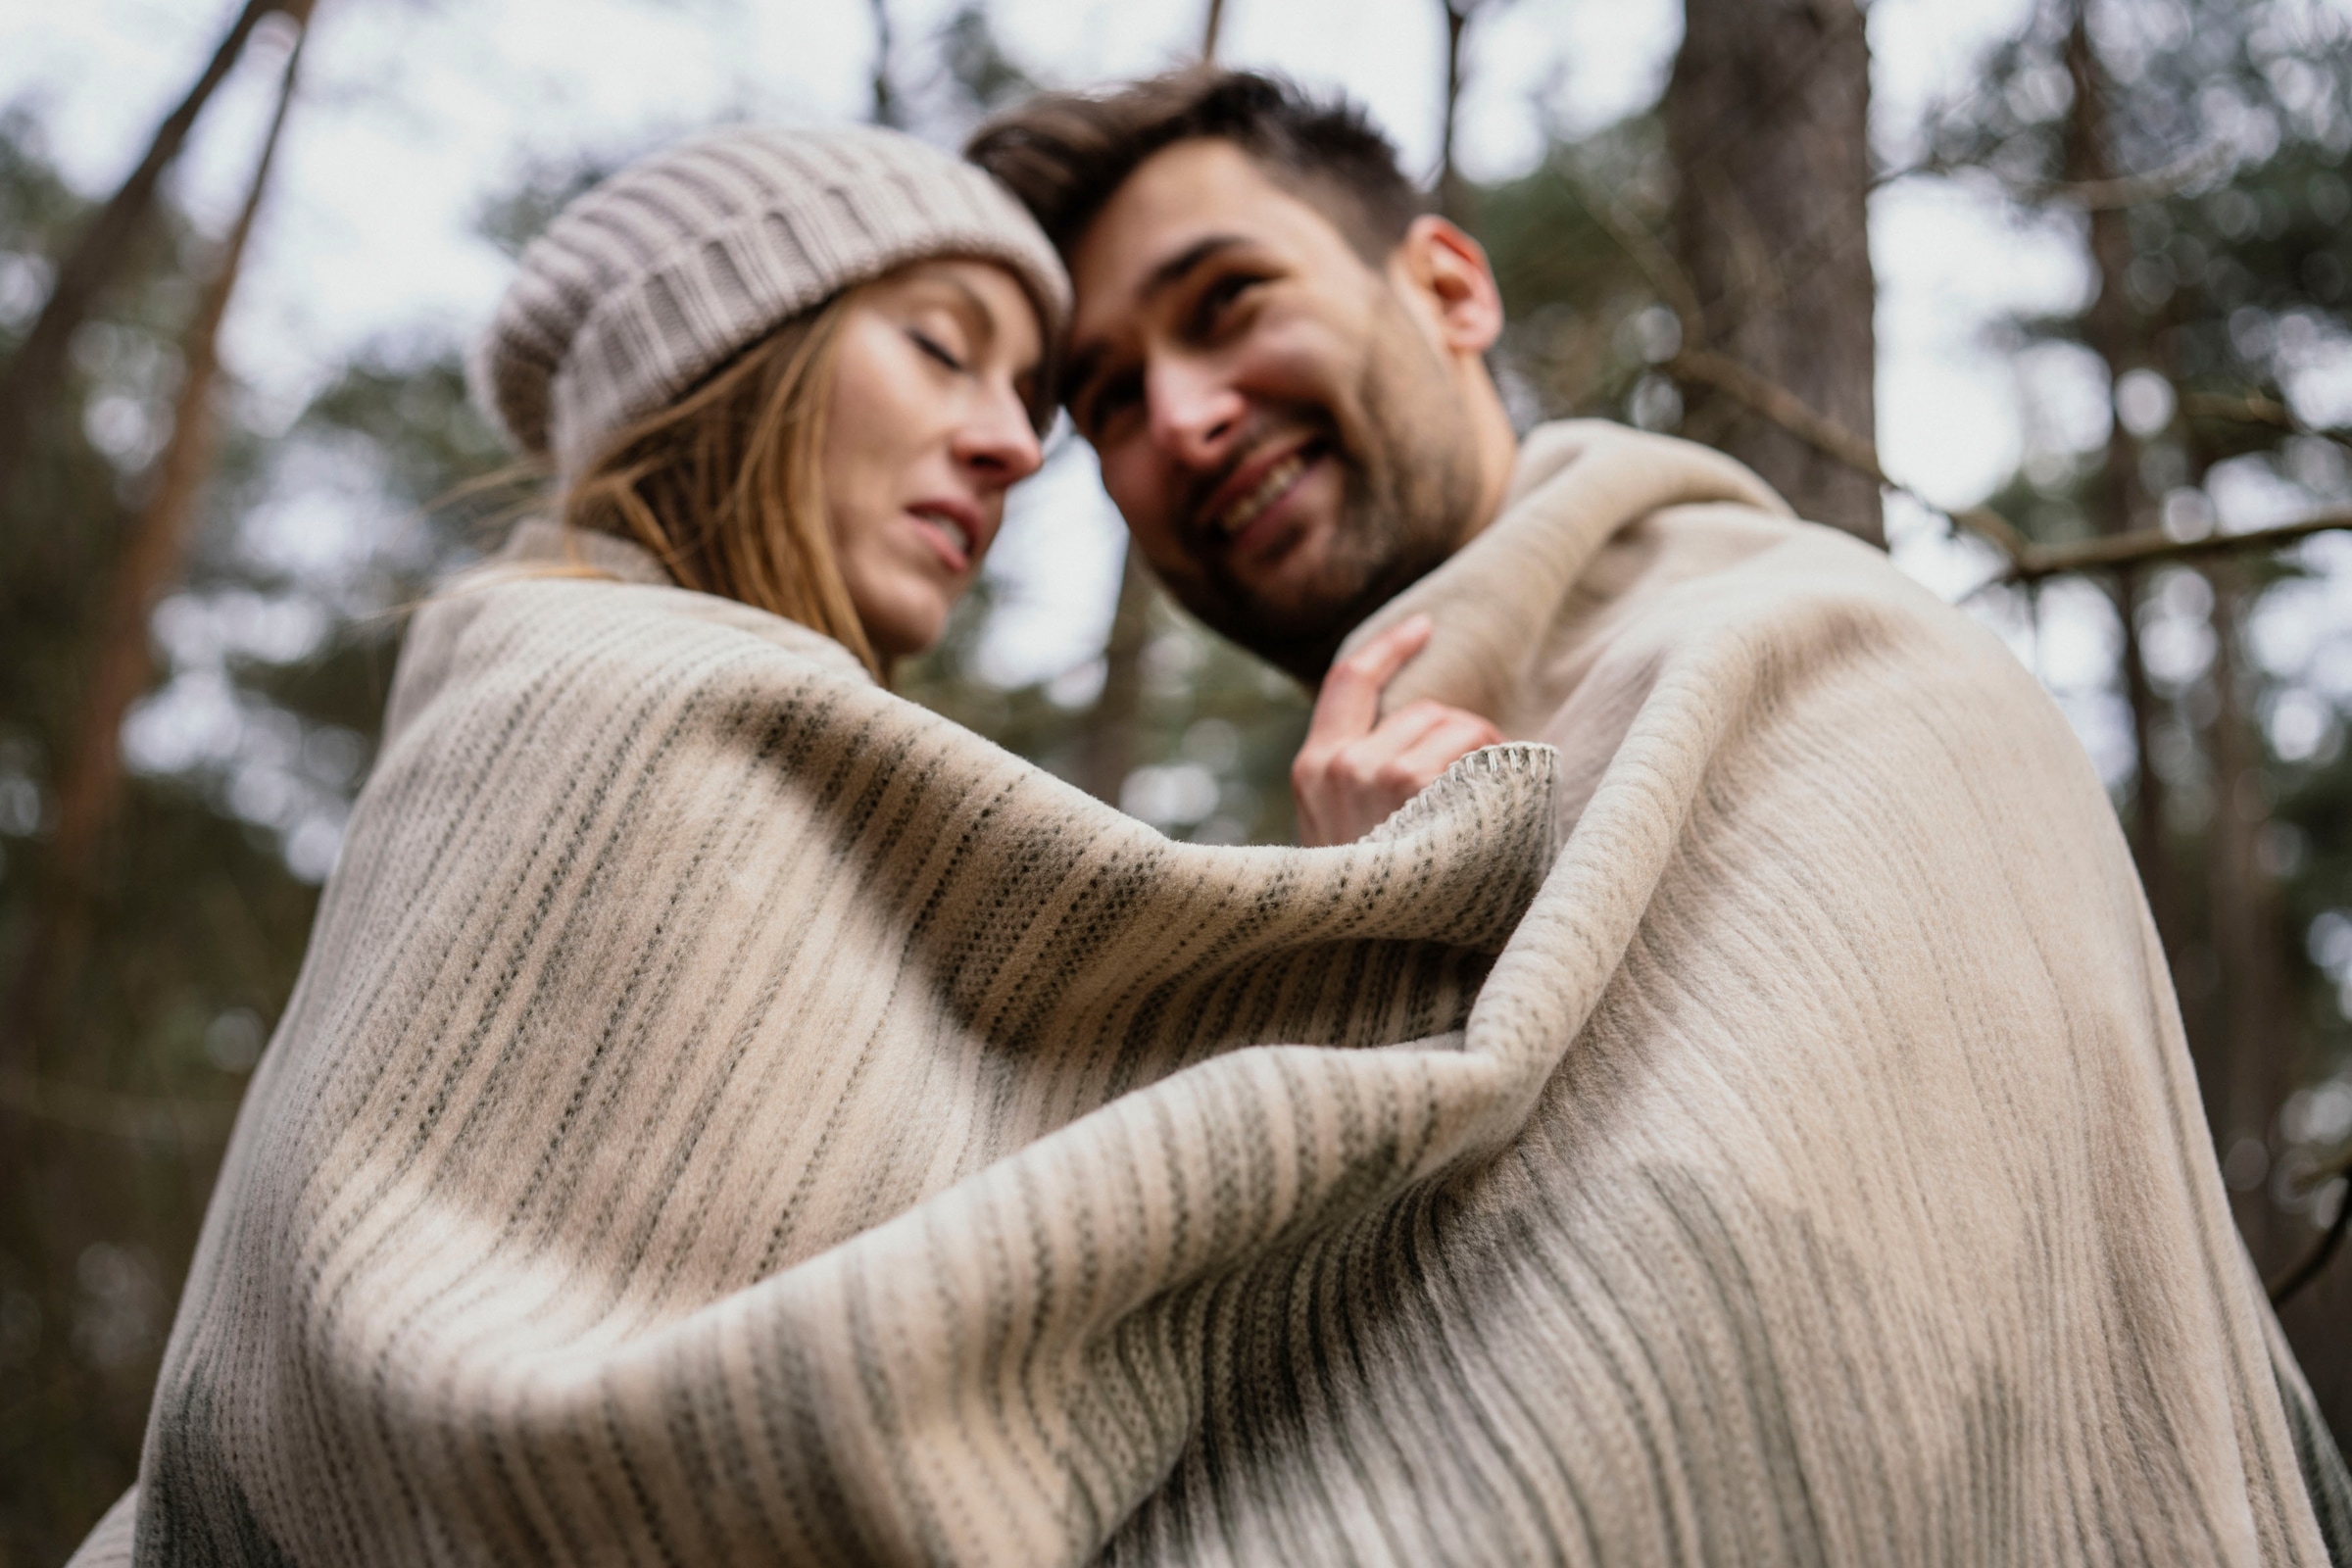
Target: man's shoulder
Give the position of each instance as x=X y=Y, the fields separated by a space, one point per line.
x=1666 y=515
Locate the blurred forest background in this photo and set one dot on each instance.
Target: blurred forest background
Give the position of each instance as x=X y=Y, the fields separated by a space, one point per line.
x=201 y=587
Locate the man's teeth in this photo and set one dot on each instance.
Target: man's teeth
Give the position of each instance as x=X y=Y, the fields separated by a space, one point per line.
x=1262 y=495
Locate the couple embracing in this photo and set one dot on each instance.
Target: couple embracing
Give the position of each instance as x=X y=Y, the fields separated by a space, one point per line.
x=1705 y=1091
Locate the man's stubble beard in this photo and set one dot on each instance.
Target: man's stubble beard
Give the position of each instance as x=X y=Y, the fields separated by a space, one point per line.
x=1410 y=483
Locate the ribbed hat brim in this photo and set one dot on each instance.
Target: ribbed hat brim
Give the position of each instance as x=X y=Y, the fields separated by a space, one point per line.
x=673 y=267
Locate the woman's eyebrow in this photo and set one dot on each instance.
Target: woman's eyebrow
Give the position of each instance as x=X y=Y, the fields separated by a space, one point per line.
x=974 y=306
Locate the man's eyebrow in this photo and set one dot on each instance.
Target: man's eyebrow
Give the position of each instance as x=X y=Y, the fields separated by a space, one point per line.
x=1168 y=273
x=1080 y=373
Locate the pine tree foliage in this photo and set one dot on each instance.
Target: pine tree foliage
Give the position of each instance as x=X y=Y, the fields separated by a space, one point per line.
x=274 y=656
x=2215 y=325
x=320 y=528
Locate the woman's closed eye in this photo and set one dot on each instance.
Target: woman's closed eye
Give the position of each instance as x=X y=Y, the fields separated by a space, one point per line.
x=937 y=351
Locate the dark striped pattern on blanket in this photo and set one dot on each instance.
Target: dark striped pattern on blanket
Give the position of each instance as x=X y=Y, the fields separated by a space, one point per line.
x=731 y=1115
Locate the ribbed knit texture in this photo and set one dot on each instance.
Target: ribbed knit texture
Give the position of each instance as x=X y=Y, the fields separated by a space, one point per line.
x=658 y=275
x=731 y=1115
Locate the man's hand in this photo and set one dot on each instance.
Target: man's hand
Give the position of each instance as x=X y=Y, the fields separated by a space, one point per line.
x=1352 y=774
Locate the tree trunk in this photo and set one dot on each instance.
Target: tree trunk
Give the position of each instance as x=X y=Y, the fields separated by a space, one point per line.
x=2255 y=1042
x=2120 y=501
x=1452 y=194
x=29 y=386
x=886 y=109
x=1767 y=121
x=90 y=788
x=1109 y=752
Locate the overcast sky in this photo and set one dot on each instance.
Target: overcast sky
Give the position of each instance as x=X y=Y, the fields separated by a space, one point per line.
x=416 y=110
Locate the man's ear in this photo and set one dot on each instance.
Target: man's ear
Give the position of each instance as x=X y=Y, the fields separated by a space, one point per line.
x=1445 y=271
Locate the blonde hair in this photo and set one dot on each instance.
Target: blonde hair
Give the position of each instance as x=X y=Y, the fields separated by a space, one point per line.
x=726 y=484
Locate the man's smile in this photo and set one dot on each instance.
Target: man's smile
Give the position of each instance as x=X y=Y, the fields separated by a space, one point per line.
x=1255 y=505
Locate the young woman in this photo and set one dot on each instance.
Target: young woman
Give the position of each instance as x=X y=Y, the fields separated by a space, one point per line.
x=783 y=380
x=795 y=370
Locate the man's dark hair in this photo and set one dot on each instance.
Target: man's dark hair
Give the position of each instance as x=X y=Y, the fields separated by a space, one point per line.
x=1065 y=153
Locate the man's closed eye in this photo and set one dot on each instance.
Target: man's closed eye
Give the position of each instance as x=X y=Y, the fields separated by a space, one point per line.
x=1215 y=308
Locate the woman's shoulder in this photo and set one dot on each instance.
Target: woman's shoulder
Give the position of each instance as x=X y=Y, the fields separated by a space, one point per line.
x=608 y=580
x=555 y=607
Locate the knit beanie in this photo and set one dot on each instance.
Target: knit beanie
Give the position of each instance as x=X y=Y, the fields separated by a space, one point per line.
x=668 y=269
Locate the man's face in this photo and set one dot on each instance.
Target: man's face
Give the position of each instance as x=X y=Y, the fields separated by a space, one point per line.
x=1275 y=418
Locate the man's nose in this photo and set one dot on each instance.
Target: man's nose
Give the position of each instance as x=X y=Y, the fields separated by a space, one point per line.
x=1195 y=411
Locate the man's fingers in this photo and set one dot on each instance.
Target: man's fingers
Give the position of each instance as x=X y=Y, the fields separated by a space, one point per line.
x=1354 y=765
x=1443 y=745
x=1380 y=758
x=1397 y=734
x=1345 y=789
x=1349 y=701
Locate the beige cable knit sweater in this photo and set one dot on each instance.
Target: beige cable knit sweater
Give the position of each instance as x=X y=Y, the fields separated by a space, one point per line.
x=730 y=1114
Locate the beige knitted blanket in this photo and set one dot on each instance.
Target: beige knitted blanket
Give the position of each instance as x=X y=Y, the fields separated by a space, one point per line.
x=731 y=1115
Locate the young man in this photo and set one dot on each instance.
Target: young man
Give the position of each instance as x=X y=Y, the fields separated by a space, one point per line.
x=1280 y=359
x=1854 y=1203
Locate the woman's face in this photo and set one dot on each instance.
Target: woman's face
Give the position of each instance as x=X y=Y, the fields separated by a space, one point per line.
x=927 y=428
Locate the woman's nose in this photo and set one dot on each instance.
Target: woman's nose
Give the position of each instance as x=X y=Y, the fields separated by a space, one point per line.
x=999 y=443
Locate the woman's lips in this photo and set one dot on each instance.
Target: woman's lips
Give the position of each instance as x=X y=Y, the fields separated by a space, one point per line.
x=952 y=532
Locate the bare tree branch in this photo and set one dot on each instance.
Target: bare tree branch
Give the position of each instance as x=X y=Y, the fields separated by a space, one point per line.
x=2028 y=562
x=2090 y=195
x=1655 y=262
x=2252 y=408
x=1759 y=394
x=1452 y=198
x=885 y=109
x=2131 y=190
x=2145 y=545
x=28 y=386
x=1785 y=410
x=2309 y=1266
x=1731 y=310
x=1781 y=405
x=1209 y=28
x=165 y=1119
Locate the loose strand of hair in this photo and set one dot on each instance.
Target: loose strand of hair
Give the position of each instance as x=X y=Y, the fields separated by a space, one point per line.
x=725 y=486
